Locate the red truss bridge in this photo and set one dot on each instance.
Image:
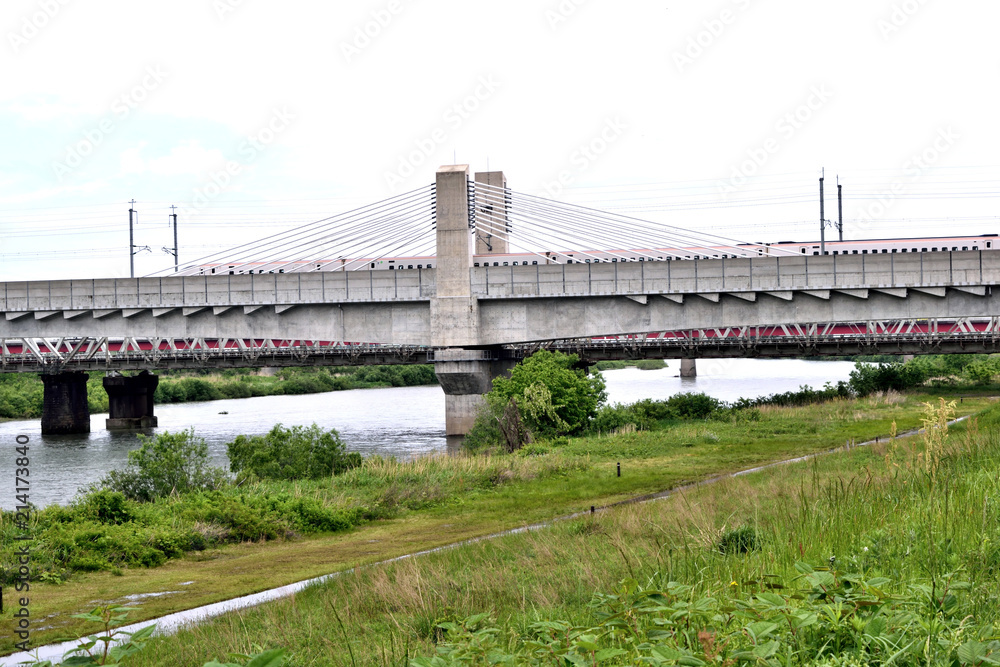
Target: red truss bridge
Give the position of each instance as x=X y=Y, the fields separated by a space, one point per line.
x=924 y=336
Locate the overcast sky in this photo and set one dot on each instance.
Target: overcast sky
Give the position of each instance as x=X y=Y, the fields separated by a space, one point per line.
x=253 y=116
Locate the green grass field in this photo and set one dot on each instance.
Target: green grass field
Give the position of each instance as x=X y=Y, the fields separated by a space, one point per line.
x=440 y=500
x=878 y=555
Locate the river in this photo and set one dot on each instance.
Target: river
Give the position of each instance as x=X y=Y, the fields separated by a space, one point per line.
x=401 y=421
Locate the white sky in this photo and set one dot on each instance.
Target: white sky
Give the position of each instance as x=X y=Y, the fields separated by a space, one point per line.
x=675 y=97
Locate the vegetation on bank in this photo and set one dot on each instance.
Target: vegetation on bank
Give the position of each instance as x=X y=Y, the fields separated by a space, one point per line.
x=106 y=531
x=641 y=364
x=878 y=555
x=169 y=504
x=21 y=393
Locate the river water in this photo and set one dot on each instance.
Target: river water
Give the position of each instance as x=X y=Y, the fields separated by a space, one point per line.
x=401 y=422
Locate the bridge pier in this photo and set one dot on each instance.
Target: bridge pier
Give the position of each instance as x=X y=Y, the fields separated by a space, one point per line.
x=130 y=401
x=688 y=368
x=64 y=404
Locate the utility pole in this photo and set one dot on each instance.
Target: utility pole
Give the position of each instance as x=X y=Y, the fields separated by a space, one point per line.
x=131 y=241
x=132 y=252
x=173 y=215
x=840 y=209
x=822 y=218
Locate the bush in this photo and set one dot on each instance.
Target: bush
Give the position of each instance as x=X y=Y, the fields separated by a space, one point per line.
x=165 y=464
x=555 y=397
x=110 y=507
x=693 y=406
x=295 y=453
x=611 y=418
x=739 y=540
x=869 y=378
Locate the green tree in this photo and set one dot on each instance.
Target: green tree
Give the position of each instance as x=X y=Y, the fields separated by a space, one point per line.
x=291 y=453
x=554 y=395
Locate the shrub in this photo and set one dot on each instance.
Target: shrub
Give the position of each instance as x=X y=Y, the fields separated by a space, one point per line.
x=164 y=464
x=109 y=507
x=869 y=378
x=693 y=406
x=570 y=398
x=295 y=453
x=612 y=418
x=739 y=540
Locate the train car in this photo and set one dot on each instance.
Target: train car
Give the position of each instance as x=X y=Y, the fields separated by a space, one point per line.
x=778 y=249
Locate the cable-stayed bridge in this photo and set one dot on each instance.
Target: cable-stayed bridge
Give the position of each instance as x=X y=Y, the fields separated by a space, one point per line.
x=470 y=275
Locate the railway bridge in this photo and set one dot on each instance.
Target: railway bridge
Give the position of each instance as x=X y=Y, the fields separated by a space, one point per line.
x=473 y=318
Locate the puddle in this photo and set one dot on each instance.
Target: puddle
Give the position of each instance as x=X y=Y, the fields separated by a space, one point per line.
x=169 y=624
x=142 y=596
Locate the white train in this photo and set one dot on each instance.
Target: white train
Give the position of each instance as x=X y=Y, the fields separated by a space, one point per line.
x=779 y=249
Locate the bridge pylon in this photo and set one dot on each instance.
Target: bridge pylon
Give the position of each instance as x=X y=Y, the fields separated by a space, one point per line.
x=464 y=369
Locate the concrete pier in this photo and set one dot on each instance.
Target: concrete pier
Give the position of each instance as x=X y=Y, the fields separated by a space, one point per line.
x=64 y=406
x=130 y=401
x=465 y=374
x=688 y=368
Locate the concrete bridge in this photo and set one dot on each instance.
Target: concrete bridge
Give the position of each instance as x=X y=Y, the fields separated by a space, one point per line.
x=466 y=314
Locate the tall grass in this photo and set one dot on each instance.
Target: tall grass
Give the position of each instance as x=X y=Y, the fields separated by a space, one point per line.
x=876 y=514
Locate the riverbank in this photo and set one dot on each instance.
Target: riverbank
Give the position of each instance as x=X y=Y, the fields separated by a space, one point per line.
x=444 y=500
x=873 y=555
x=21 y=393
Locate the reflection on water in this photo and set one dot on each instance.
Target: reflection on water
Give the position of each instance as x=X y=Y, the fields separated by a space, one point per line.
x=401 y=421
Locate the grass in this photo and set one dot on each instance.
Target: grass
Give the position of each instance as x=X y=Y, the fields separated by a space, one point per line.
x=877 y=515
x=441 y=500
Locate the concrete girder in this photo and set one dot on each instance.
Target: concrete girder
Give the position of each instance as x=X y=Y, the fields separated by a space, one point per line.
x=892 y=291
x=528 y=320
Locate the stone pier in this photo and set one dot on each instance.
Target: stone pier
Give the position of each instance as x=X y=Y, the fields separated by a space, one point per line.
x=64 y=406
x=130 y=401
x=688 y=368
